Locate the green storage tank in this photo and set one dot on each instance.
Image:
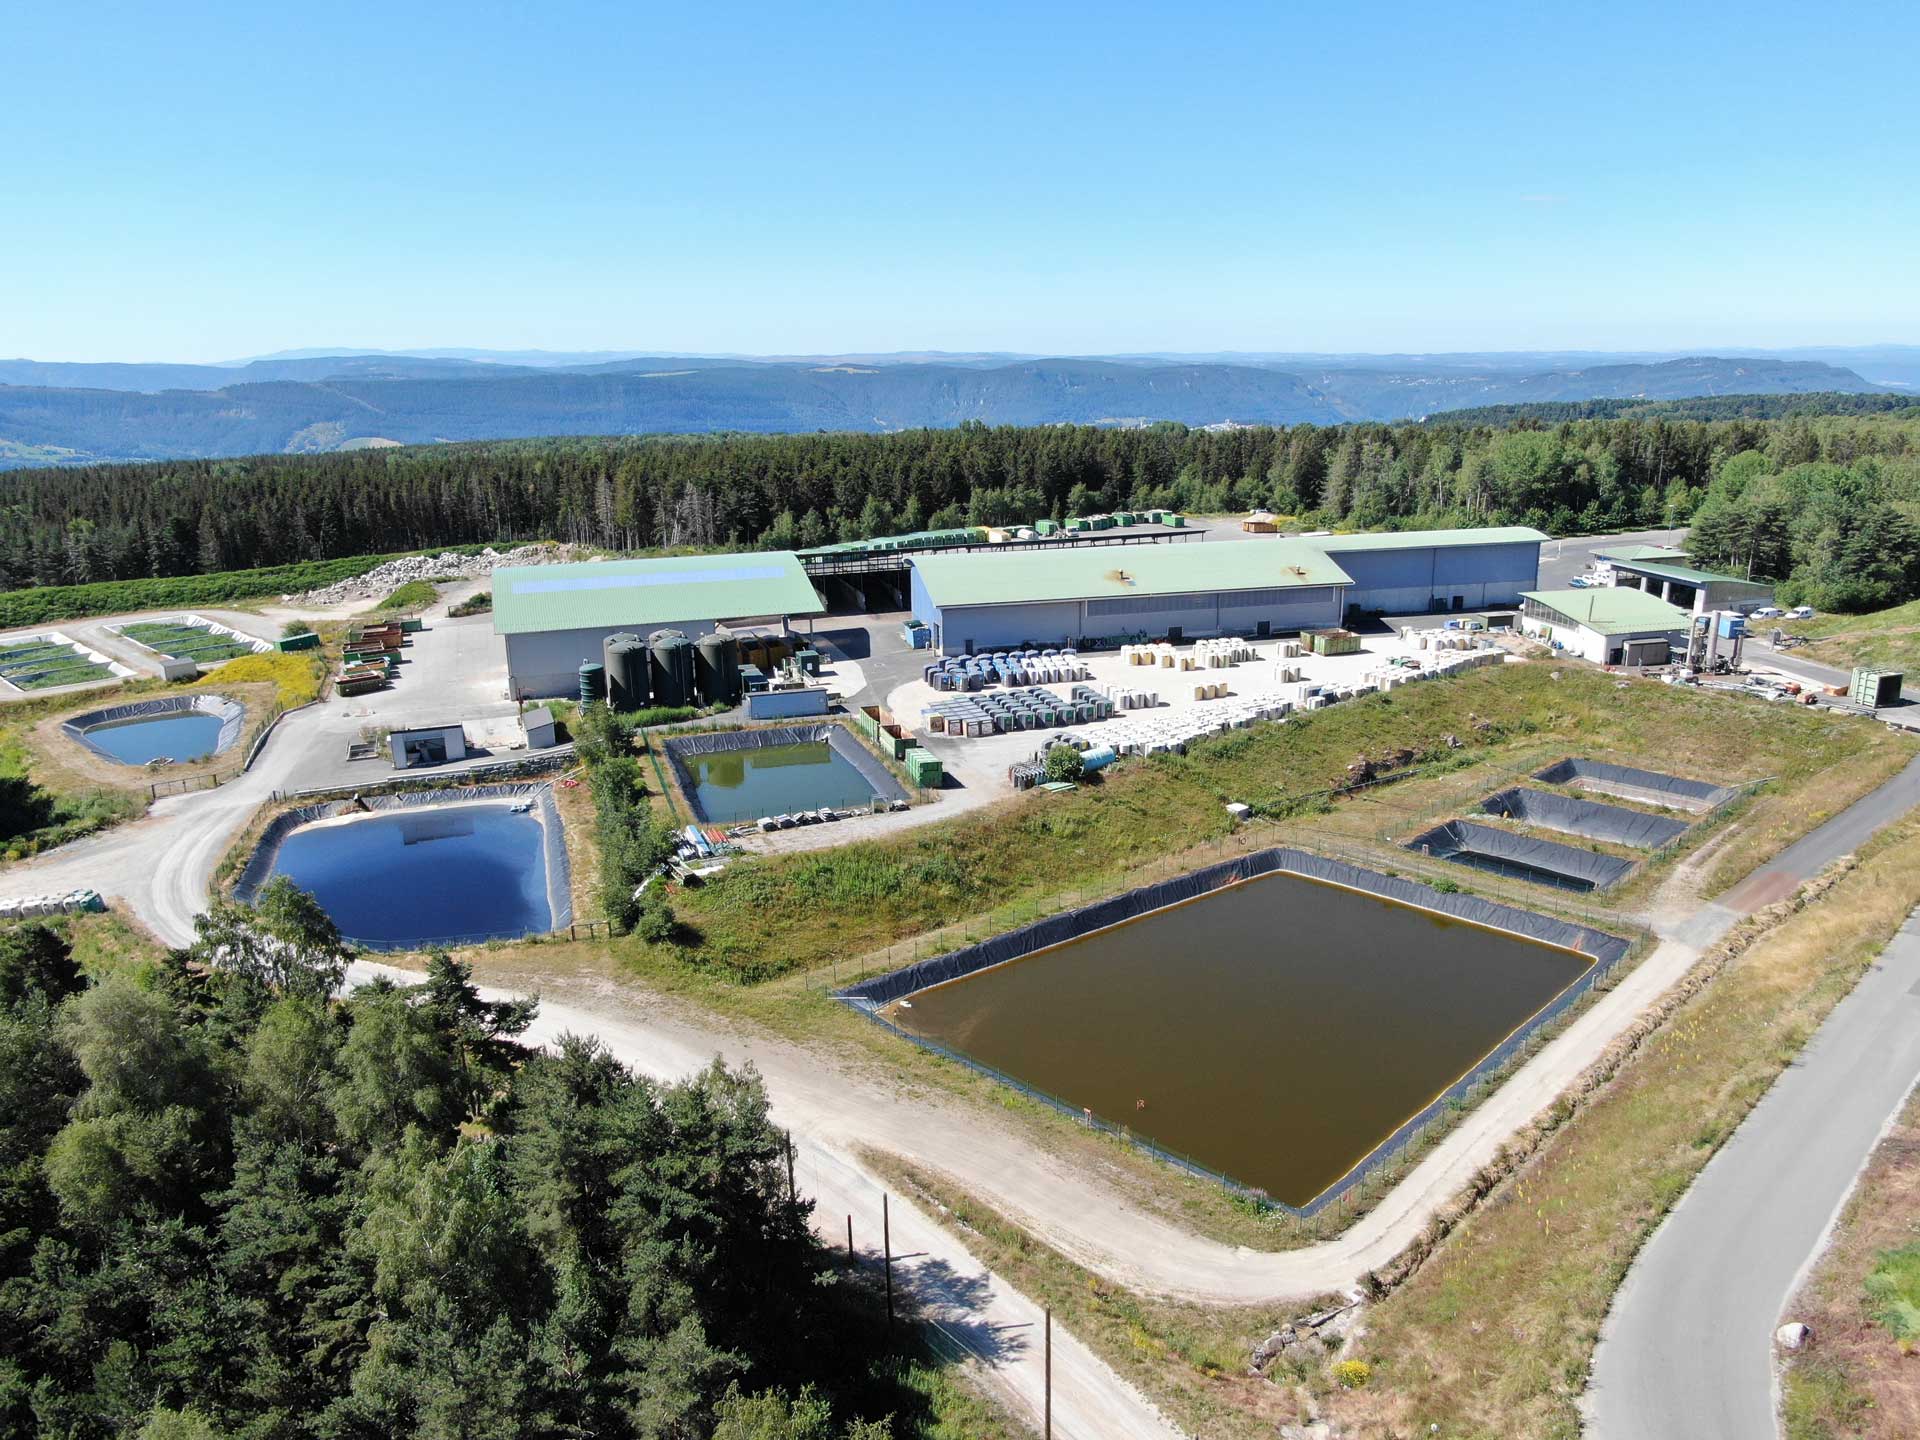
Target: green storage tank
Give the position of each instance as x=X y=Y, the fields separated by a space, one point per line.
x=672 y=674
x=626 y=661
x=593 y=682
x=717 y=668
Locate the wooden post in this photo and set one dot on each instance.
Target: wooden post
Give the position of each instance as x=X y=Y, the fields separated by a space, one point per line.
x=850 y=1239
x=792 y=1194
x=1049 y=1365
x=886 y=1249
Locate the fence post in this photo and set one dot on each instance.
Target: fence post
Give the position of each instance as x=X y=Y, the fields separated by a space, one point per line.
x=886 y=1250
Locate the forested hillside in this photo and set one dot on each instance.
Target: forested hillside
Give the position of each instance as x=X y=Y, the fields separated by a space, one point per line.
x=1803 y=490
x=231 y=1206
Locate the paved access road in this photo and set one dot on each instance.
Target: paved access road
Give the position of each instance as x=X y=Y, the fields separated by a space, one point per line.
x=1686 y=1353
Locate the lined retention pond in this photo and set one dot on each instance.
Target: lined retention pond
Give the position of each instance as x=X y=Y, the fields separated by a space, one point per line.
x=735 y=775
x=180 y=737
x=435 y=873
x=1277 y=1031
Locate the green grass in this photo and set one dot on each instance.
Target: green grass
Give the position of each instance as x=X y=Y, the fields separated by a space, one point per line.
x=479 y=603
x=1880 y=640
x=412 y=596
x=185 y=642
x=1893 y=1293
x=32 y=817
x=44 y=664
x=765 y=917
x=1819 y=1402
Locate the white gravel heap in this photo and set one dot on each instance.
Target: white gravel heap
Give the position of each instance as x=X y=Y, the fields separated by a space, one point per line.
x=384 y=579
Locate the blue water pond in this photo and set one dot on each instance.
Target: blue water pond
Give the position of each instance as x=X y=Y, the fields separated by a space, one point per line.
x=181 y=737
x=441 y=873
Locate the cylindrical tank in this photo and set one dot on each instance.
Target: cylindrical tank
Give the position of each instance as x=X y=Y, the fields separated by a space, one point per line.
x=717 y=668
x=593 y=682
x=628 y=684
x=672 y=674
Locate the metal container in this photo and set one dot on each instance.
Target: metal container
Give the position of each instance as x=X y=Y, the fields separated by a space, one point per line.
x=672 y=668
x=717 y=668
x=628 y=683
x=593 y=682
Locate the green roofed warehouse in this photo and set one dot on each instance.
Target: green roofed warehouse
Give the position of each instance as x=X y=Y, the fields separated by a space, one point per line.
x=553 y=617
x=1241 y=587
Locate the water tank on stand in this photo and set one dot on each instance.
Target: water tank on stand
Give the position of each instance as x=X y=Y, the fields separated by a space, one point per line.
x=628 y=683
x=593 y=682
x=672 y=668
x=717 y=668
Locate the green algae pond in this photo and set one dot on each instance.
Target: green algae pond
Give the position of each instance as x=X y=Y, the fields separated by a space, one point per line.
x=1277 y=1031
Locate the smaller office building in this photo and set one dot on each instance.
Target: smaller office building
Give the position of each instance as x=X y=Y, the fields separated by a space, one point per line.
x=427 y=745
x=554 y=617
x=1619 y=626
x=1036 y=597
x=1696 y=591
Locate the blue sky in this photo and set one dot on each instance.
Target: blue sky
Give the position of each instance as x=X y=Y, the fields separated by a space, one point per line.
x=201 y=182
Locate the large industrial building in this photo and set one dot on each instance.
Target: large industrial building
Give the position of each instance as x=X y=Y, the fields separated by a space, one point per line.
x=1244 y=587
x=1418 y=572
x=1678 y=583
x=554 y=617
x=990 y=602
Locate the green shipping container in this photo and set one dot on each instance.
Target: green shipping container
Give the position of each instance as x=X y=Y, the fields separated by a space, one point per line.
x=924 y=768
x=309 y=641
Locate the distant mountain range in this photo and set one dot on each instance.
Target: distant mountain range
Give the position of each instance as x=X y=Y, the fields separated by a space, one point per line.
x=55 y=413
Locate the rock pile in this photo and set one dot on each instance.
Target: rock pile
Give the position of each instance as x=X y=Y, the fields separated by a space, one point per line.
x=384 y=579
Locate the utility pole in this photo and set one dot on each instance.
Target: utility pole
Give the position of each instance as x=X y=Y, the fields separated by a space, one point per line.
x=1049 y=1365
x=849 y=1239
x=886 y=1249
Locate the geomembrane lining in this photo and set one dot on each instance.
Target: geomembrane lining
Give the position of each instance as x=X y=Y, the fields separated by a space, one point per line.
x=1501 y=852
x=259 y=868
x=1606 y=951
x=233 y=715
x=1553 y=811
x=719 y=742
x=1675 y=790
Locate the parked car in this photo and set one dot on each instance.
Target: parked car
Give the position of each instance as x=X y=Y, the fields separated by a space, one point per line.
x=1579 y=582
x=1800 y=612
x=1766 y=612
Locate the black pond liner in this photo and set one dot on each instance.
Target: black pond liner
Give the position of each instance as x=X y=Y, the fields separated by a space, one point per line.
x=718 y=742
x=232 y=715
x=1676 y=789
x=259 y=868
x=1605 y=950
x=1589 y=818
x=1501 y=852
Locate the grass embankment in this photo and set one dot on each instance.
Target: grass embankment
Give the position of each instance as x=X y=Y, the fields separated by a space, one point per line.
x=1493 y=1336
x=52 y=792
x=410 y=598
x=1879 y=640
x=771 y=916
x=1860 y=1377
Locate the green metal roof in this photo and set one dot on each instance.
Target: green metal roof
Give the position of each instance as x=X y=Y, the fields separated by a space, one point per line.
x=1687 y=576
x=1641 y=552
x=608 y=594
x=1621 y=610
x=1425 y=539
x=1108 y=571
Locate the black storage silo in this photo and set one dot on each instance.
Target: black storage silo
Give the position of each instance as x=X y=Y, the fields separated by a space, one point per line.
x=628 y=681
x=672 y=674
x=717 y=668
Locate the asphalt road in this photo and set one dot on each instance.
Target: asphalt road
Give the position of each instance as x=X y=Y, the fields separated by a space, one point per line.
x=1561 y=560
x=1687 y=1351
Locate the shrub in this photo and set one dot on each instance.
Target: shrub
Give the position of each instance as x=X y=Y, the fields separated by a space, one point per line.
x=295 y=627
x=1064 y=763
x=1352 y=1374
